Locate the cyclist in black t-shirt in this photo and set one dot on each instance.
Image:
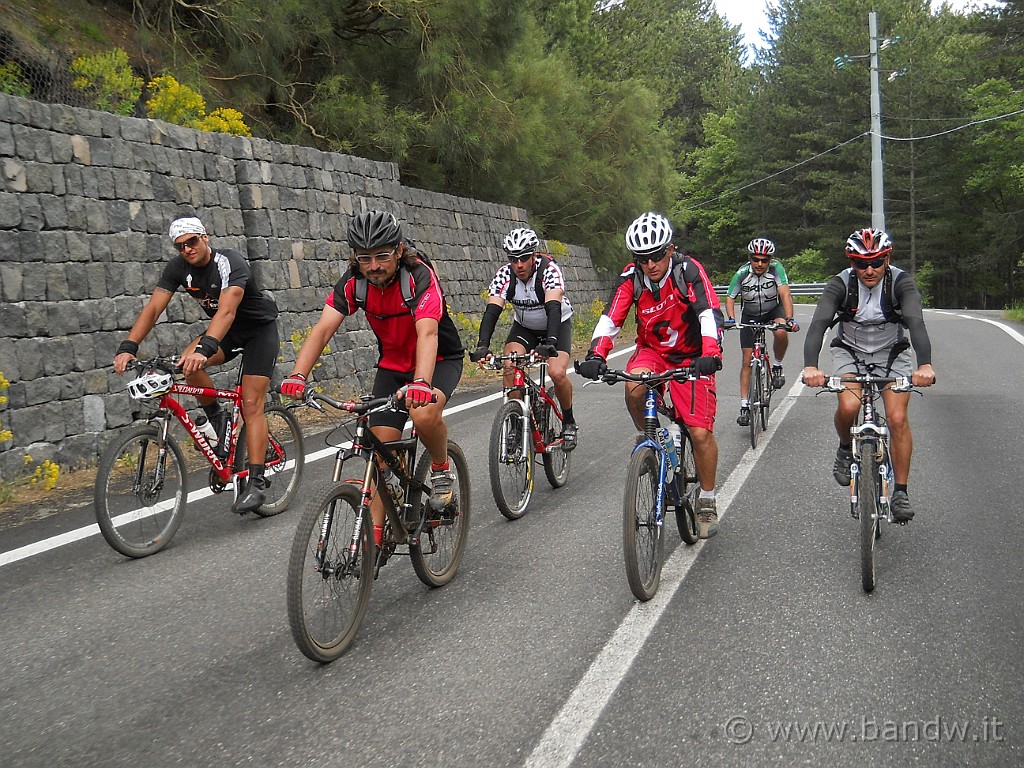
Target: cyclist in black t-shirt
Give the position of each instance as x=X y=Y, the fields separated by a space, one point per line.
x=242 y=319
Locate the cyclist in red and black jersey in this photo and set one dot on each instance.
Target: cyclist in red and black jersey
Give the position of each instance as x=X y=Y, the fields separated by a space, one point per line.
x=242 y=319
x=420 y=353
x=677 y=317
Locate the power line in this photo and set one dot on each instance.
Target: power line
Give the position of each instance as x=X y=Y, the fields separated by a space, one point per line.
x=953 y=130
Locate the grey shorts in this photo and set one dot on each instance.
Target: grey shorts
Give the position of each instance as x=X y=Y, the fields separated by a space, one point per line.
x=843 y=361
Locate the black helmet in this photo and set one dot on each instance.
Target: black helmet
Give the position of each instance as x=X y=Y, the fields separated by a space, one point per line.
x=374 y=229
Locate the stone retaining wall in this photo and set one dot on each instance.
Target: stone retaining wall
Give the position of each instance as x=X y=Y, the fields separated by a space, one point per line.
x=85 y=201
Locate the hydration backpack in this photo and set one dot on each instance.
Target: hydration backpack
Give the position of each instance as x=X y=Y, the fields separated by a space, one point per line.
x=890 y=307
x=404 y=273
x=538 y=277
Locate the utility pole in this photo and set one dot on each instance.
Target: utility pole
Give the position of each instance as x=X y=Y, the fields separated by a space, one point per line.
x=877 y=165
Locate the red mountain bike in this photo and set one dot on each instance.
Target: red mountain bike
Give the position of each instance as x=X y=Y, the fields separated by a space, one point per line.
x=142 y=483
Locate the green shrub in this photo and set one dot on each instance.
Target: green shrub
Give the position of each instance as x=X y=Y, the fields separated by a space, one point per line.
x=108 y=81
x=12 y=80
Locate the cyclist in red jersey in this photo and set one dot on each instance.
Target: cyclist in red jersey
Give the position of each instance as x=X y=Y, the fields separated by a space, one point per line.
x=420 y=353
x=677 y=317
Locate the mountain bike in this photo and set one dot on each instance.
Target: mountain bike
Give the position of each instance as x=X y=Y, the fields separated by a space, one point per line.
x=142 y=482
x=513 y=448
x=334 y=560
x=761 y=380
x=661 y=477
x=871 y=475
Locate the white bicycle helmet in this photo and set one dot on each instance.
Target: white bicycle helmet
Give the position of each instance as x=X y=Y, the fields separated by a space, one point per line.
x=150 y=385
x=520 y=242
x=649 y=233
x=761 y=246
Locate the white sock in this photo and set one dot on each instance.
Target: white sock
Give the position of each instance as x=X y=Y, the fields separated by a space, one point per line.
x=707 y=494
x=744 y=402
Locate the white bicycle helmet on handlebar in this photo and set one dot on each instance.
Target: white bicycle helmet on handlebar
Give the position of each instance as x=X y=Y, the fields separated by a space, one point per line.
x=150 y=385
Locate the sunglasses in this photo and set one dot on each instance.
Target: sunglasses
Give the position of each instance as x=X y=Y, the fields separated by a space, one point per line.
x=521 y=259
x=652 y=257
x=760 y=261
x=367 y=258
x=190 y=243
x=874 y=263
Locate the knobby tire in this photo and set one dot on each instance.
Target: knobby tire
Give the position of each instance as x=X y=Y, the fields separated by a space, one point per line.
x=137 y=512
x=643 y=538
x=688 y=483
x=867 y=500
x=442 y=541
x=285 y=459
x=510 y=461
x=557 y=461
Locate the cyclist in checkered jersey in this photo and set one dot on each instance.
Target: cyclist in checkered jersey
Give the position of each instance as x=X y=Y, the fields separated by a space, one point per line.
x=542 y=317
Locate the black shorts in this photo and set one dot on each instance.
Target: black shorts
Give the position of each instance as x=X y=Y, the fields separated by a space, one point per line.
x=446 y=377
x=259 y=347
x=747 y=334
x=520 y=334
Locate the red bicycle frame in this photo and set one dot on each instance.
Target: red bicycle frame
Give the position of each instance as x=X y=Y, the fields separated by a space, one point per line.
x=221 y=467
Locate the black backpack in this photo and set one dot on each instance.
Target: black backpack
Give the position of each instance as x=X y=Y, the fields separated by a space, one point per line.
x=890 y=307
x=404 y=273
x=538 y=277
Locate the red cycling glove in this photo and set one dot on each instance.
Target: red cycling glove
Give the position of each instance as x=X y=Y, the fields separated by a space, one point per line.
x=418 y=392
x=294 y=386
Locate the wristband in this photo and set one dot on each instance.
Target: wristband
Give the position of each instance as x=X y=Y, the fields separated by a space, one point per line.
x=296 y=376
x=422 y=381
x=207 y=346
x=129 y=346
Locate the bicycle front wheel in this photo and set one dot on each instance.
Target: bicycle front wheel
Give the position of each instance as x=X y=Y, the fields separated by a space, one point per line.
x=556 y=460
x=767 y=388
x=510 y=461
x=756 y=400
x=688 y=484
x=867 y=498
x=437 y=552
x=285 y=459
x=328 y=584
x=140 y=492
x=643 y=535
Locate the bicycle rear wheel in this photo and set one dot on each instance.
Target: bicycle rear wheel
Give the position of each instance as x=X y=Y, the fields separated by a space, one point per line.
x=643 y=535
x=688 y=483
x=285 y=459
x=867 y=497
x=510 y=461
x=327 y=598
x=437 y=552
x=140 y=492
x=756 y=400
x=556 y=460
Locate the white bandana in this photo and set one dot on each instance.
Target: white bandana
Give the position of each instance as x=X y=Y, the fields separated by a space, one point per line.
x=186 y=226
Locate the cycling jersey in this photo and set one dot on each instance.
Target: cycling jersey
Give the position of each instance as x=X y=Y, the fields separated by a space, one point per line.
x=226 y=268
x=759 y=293
x=670 y=319
x=394 y=323
x=527 y=306
x=869 y=331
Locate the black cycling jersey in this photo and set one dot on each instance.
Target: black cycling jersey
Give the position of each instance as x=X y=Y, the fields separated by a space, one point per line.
x=225 y=268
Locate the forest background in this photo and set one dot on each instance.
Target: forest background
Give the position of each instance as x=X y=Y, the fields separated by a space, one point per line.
x=587 y=114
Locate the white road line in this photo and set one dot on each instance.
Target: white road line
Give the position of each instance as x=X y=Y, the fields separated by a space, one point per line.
x=1013 y=334
x=564 y=738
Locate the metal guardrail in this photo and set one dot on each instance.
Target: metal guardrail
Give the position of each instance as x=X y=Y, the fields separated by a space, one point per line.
x=795 y=289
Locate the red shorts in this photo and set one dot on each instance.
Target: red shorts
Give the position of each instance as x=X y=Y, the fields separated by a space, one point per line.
x=695 y=402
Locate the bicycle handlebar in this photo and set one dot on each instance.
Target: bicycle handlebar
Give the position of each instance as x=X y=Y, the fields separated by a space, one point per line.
x=528 y=360
x=685 y=373
x=165 y=364
x=895 y=383
x=767 y=326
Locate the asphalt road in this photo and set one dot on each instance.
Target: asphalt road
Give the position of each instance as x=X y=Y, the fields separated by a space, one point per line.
x=760 y=648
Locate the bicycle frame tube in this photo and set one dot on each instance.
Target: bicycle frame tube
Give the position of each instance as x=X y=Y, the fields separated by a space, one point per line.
x=651 y=425
x=176 y=409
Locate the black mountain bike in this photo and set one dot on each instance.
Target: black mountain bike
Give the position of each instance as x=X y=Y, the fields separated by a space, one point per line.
x=334 y=561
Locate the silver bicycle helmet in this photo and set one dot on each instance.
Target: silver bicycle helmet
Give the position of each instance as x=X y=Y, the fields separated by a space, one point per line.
x=520 y=242
x=761 y=246
x=150 y=385
x=648 y=233
x=374 y=229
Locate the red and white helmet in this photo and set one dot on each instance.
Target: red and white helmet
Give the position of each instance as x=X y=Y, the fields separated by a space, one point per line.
x=868 y=244
x=761 y=246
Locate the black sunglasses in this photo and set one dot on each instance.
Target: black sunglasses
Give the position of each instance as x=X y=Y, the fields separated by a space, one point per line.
x=874 y=263
x=652 y=257
x=190 y=243
x=521 y=259
x=760 y=261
